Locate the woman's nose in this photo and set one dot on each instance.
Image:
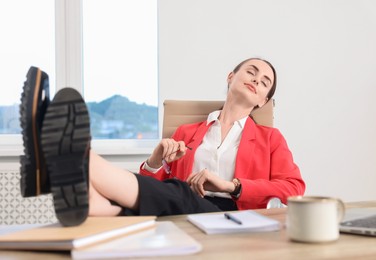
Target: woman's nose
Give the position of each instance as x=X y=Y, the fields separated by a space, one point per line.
x=254 y=81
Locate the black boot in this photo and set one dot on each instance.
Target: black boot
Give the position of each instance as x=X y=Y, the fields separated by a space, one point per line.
x=66 y=147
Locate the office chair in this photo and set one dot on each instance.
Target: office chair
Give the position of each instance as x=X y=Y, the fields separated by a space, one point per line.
x=179 y=112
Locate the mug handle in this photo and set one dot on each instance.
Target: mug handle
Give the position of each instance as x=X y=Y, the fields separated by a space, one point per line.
x=340 y=209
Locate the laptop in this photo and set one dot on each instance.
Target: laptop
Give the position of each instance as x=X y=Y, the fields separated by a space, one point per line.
x=359 y=221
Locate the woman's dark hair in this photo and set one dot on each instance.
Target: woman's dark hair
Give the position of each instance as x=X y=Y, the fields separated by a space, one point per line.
x=274 y=86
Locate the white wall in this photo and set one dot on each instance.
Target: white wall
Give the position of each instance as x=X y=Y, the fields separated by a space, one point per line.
x=325 y=55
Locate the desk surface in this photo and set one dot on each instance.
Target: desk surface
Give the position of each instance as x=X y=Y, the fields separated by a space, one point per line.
x=268 y=245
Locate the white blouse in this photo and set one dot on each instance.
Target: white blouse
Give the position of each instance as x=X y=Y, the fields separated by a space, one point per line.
x=219 y=158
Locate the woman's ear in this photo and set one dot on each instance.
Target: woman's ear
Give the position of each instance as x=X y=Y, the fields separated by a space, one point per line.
x=229 y=77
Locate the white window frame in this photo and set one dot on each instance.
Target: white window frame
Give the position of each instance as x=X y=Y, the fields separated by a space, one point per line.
x=69 y=73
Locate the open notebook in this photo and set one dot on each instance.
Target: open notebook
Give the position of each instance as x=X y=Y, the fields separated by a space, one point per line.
x=360 y=221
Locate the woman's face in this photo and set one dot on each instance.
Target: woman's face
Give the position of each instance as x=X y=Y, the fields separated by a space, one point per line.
x=252 y=82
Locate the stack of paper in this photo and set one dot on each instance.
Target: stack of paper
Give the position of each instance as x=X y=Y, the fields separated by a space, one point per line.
x=240 y=221
x=57 y=237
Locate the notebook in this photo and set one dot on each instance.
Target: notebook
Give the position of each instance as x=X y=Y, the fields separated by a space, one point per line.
x=360 y=221
x=234 y=222
x=56 y=237
x=165 y=240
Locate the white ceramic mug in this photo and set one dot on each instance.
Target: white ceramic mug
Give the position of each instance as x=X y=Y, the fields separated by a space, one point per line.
x=314 y=219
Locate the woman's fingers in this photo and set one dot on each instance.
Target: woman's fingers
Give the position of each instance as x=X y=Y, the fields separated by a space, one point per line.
x=167 y=149
x=173 y=150
x=208 y=181
x=196 y=182
x=168 y=146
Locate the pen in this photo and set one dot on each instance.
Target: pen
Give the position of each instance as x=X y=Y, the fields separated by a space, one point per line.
x=232 y=218
x=189 y=148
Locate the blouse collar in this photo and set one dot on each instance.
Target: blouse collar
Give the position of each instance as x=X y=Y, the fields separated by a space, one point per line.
x=213 y=116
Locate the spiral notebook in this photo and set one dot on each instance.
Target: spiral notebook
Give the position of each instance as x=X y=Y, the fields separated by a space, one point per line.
x=234 y=222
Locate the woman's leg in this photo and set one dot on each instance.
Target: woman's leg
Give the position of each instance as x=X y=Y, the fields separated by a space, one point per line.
x=100 y=206
x=109 y=183
x=141 y=195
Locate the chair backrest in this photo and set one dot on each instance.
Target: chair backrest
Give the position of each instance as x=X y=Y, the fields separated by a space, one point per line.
x=179 y=112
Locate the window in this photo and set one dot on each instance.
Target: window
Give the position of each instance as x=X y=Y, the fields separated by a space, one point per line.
x=111 y=59
x=28 y=39
x=120 y=68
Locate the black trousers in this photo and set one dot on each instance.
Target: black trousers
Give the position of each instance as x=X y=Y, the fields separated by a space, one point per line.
x=169 y=197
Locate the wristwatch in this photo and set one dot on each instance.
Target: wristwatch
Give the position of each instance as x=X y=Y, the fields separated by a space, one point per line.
x=238 y=189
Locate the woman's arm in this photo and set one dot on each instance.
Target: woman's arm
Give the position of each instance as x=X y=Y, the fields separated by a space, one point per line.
x=274 y=175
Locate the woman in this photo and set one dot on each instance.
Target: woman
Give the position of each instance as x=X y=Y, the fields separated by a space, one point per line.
x=225 y=163
x=229 y=149
x=232 y=162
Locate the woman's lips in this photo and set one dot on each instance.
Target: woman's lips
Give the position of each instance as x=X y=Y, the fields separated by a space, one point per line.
x=251 y=87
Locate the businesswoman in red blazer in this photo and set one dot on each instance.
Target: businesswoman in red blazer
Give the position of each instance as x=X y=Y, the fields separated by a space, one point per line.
x=246 y=164
x=227 y=162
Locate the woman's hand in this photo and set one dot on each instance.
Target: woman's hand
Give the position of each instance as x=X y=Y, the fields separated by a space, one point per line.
x=207 y=181
x=167 y=149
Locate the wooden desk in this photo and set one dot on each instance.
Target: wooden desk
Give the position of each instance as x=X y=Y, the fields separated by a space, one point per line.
x=268 y=245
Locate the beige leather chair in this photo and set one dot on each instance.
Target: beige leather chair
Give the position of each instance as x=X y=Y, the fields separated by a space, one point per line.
x=179 y=112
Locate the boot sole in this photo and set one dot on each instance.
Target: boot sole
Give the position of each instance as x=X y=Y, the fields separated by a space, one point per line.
x=66 y=145
x=34 y=101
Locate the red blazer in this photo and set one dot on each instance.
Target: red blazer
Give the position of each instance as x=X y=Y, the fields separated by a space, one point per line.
x=264 y=164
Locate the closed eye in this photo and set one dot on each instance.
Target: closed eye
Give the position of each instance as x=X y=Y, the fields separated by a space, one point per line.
x=251 y=72
x=266 y=81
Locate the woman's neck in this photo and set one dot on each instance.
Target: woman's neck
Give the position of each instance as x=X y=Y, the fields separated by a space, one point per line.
x=233 y=112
